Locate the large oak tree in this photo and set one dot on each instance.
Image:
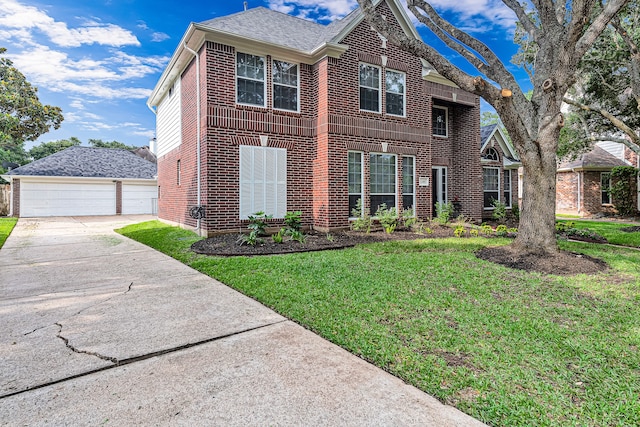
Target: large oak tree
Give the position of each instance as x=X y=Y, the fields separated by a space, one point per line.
x=563 y=32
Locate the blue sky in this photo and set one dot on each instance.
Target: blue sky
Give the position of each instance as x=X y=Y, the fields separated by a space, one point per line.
x=99 y=60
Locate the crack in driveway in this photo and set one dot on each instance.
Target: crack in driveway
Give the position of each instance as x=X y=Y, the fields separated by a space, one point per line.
x=76 y=350
x=117 y=363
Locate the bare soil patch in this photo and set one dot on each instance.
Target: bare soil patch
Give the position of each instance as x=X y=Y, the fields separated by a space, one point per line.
x=563 y=263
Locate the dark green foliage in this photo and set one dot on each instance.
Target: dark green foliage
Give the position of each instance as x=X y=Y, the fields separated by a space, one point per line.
x=47 y=148
x=98 y=143
x=623 y=189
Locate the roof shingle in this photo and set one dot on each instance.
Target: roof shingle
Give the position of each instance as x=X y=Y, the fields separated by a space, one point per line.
x=90 y=162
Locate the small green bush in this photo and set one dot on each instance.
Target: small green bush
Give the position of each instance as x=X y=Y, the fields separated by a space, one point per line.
x=499 y=210
x=362 y=221
x=279 y=236
x=257 y=227
x=444 y=211
x=388 y=218
x=459 y=231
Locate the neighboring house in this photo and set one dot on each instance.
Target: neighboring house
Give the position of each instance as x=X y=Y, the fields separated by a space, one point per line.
x=500 y=164
x=582 y=185
x=262 y=111
x=84 y=181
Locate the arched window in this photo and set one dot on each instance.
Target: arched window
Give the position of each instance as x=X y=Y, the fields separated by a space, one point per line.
x=492 y=154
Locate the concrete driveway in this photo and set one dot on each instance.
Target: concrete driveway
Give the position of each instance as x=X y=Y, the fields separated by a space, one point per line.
x=99 y=329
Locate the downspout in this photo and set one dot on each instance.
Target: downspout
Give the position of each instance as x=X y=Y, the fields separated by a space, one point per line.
x=198 y=133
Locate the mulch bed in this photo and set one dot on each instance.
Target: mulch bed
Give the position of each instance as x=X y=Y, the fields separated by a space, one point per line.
x=228 y=245
x=632 y=229
x=561 y=263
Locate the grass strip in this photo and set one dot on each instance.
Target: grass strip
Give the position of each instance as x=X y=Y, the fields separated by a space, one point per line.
x=6 y=227
x=507 y=347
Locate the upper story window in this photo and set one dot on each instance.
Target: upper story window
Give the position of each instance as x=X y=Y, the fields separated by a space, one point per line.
x=440 y=118
x=369 y=88
x=250 y=70
x=492 y=154
x=285 y=86
x=395 y=84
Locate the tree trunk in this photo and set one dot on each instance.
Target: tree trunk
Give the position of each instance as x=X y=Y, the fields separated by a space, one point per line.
x=536 y=231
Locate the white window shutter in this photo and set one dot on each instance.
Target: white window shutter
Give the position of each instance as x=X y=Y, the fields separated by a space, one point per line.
x=263 y=181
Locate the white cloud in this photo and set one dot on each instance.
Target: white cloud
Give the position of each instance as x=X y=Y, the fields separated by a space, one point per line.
x=58 y=72
x=20 y=21
x=159 y=37
x=320 y=9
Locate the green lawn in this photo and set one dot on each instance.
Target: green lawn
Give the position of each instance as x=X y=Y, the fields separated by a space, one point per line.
x=507 y=347
x=6 y=227
x=611 y=230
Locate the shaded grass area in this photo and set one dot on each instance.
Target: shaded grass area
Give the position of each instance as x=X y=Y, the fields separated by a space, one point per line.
x=507 y=347
x=6 y=227
x=612 y=231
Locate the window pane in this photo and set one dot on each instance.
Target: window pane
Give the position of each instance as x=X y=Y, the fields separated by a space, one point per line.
x=355 y=179
x=369 y=88
x=395 y=85
x=439 y=117
x=491 y=186
x=250 y=71
x=285 y=98
x=285 y=73
x=489 y=197
x=369 y=99
x=407 y=201
x=605 y=185
x=382 y=176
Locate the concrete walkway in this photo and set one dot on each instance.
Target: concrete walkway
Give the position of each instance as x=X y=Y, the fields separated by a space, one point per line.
x=98 y=329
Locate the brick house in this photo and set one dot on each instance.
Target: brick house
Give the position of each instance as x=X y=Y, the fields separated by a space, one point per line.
x=500 y=165
x=262 y=111
x=582 y=184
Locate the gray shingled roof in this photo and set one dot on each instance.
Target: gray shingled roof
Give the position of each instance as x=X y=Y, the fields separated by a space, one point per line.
x=281 y=29
x=485 y=133
x=596 y=159
x=91 y=163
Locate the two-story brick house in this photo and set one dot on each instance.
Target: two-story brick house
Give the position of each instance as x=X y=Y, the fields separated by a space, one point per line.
x=262 y=111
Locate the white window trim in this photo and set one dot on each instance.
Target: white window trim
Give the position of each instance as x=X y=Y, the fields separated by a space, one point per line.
x=413 y=159
x=379 y=88
x=404 y=93
x=264 y=95
x=601 y=189
x=508 y=202
x=395 y=186
x=483 y=190
x=273 y=84
x=446 y=121
x=361 y=181
x=442 y=171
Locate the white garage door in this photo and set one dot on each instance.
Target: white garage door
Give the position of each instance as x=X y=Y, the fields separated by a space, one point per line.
x=67 y=199
x=139 y=199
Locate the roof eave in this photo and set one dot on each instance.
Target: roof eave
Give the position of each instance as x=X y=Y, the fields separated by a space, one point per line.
x=197 y=34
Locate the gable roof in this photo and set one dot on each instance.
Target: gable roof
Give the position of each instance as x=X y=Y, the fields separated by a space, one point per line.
x=261 y=29
x=89 y=162
x=595 y=160
x=510 y=157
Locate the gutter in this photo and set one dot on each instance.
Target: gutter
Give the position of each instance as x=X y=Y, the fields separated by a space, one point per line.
x=198 y=137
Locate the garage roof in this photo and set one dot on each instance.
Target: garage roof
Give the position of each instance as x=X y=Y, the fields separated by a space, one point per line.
x=90 y=162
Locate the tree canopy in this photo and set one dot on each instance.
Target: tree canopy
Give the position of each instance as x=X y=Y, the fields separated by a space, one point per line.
x=561 y=32
x=48 y=148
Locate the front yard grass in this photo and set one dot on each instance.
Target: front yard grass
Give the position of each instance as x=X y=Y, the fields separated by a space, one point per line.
x=508 y=347
x=6 y=227
x=612 y=231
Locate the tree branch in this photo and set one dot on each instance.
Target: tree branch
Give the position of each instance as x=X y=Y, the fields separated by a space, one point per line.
x=597 y=26
x=614 y=120
x=523 y=18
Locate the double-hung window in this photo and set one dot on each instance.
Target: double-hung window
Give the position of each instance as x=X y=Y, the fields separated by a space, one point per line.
x=507 y=188
x=369 y=88
x=605 y=187
x=440 y=118
x=285 y=86
x=250 y=72
x=491 y=180
x=395 y=93
x=408 y=182
x=382 y=176
x=355 y=180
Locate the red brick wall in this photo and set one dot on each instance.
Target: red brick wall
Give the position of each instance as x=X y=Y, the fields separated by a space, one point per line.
x=16 y=197
x=567 y=192
x=317 y=139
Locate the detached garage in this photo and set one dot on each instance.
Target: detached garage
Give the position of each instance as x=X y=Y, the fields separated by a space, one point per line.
x=82 y=181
